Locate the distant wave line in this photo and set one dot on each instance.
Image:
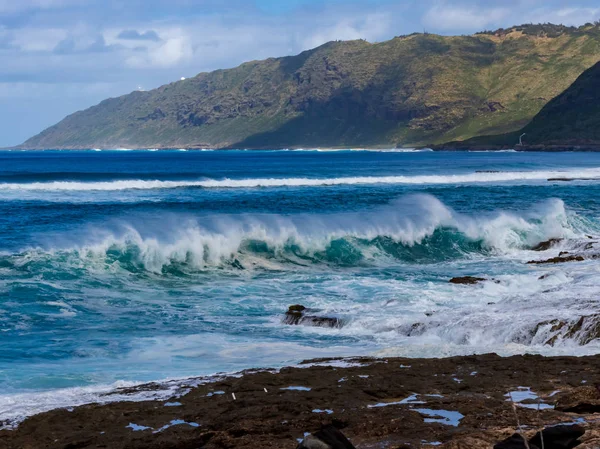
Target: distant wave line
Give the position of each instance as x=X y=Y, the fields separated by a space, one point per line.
x=481 y=177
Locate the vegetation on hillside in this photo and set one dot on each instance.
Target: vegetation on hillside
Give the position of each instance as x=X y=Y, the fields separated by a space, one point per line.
x=410 y=90
x=568 y=120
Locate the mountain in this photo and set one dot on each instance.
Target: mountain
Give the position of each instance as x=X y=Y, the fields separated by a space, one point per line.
x=410 y=90
x=572 y=119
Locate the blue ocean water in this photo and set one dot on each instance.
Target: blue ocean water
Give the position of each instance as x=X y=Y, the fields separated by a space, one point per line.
x=133 y=266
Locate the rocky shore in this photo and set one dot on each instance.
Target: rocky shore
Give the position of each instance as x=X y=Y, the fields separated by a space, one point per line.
x=458 y=403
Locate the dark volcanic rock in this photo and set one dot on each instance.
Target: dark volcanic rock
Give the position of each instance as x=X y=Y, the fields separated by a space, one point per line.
x=583 y=331
x=297 y=315
x=559 y=259
x=543 y=246
x=558 y=437
x=368 y=398
x=327 y=438
x=467 y=280
x=582 y=400
x=514 y=442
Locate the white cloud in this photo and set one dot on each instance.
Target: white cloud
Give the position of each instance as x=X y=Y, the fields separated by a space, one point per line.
x=38 y=39
x=371 y=27
x=565 y=16
x=175 y=48
x=443 y=17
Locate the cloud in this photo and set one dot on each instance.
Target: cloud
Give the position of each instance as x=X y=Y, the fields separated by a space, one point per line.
x=565 y=16
x=71 y=45
x=170 y=52
x=38 y=39
x=371 y=27
x=135 y=35
x=444 y=17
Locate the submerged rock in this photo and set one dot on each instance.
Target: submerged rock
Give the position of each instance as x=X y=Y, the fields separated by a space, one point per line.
x=544 y=246
x=466 y=280
x=328 y=437
x=297 y=315
x=558 y=259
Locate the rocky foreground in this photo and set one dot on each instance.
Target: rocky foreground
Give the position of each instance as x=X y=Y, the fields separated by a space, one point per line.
x=458 y=403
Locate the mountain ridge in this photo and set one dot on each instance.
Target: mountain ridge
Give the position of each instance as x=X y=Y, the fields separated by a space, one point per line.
x=409 y=91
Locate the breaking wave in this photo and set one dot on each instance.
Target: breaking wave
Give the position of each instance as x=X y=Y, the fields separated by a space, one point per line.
x=412 y=229
x=468 y=178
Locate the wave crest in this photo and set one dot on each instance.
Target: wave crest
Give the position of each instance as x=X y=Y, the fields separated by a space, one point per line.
x=412 y=229
x=468 y=178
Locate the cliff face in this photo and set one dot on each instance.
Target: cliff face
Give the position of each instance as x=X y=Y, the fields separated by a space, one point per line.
x=411 y=90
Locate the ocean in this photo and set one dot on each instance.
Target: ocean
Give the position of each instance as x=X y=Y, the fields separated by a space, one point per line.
x=124 y=267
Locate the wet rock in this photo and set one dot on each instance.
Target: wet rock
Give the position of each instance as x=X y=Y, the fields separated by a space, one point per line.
x=328 y=437
x=583 y=331
x=297 y=315
x=546 y=245
x=237 y=264
x=462 y=443
x=558 y=437
x=312 y=442
x=467 y=280
x=294 y=314
x=571 y=179
x=581 y=400
x=556 y=326
x=416 y=329
x=514 y=442
x=559 y=259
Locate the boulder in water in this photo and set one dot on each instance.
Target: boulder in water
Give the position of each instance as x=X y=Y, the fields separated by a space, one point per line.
x=297 y=315
x=467 y=280
x=546 y=245
x=559 y=259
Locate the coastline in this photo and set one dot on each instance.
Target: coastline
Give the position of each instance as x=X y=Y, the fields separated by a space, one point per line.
x=458 y=402
x=448 y=147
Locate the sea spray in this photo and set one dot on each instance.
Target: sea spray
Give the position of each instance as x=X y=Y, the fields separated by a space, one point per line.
x=411 y=229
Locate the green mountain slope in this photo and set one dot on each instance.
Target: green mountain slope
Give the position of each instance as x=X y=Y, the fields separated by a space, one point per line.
x=411 y=90
x=572 y=119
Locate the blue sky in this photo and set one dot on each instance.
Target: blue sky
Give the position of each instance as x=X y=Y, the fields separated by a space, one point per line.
x=59 y=56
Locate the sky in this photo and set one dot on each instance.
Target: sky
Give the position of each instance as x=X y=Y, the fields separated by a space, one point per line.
x=60 y=56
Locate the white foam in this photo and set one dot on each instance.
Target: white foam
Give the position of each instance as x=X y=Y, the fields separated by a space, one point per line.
x=467 y=178
x=213 y=240
x=15 y=408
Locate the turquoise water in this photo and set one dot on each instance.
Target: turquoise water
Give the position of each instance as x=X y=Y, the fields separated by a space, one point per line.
x=134 y=266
